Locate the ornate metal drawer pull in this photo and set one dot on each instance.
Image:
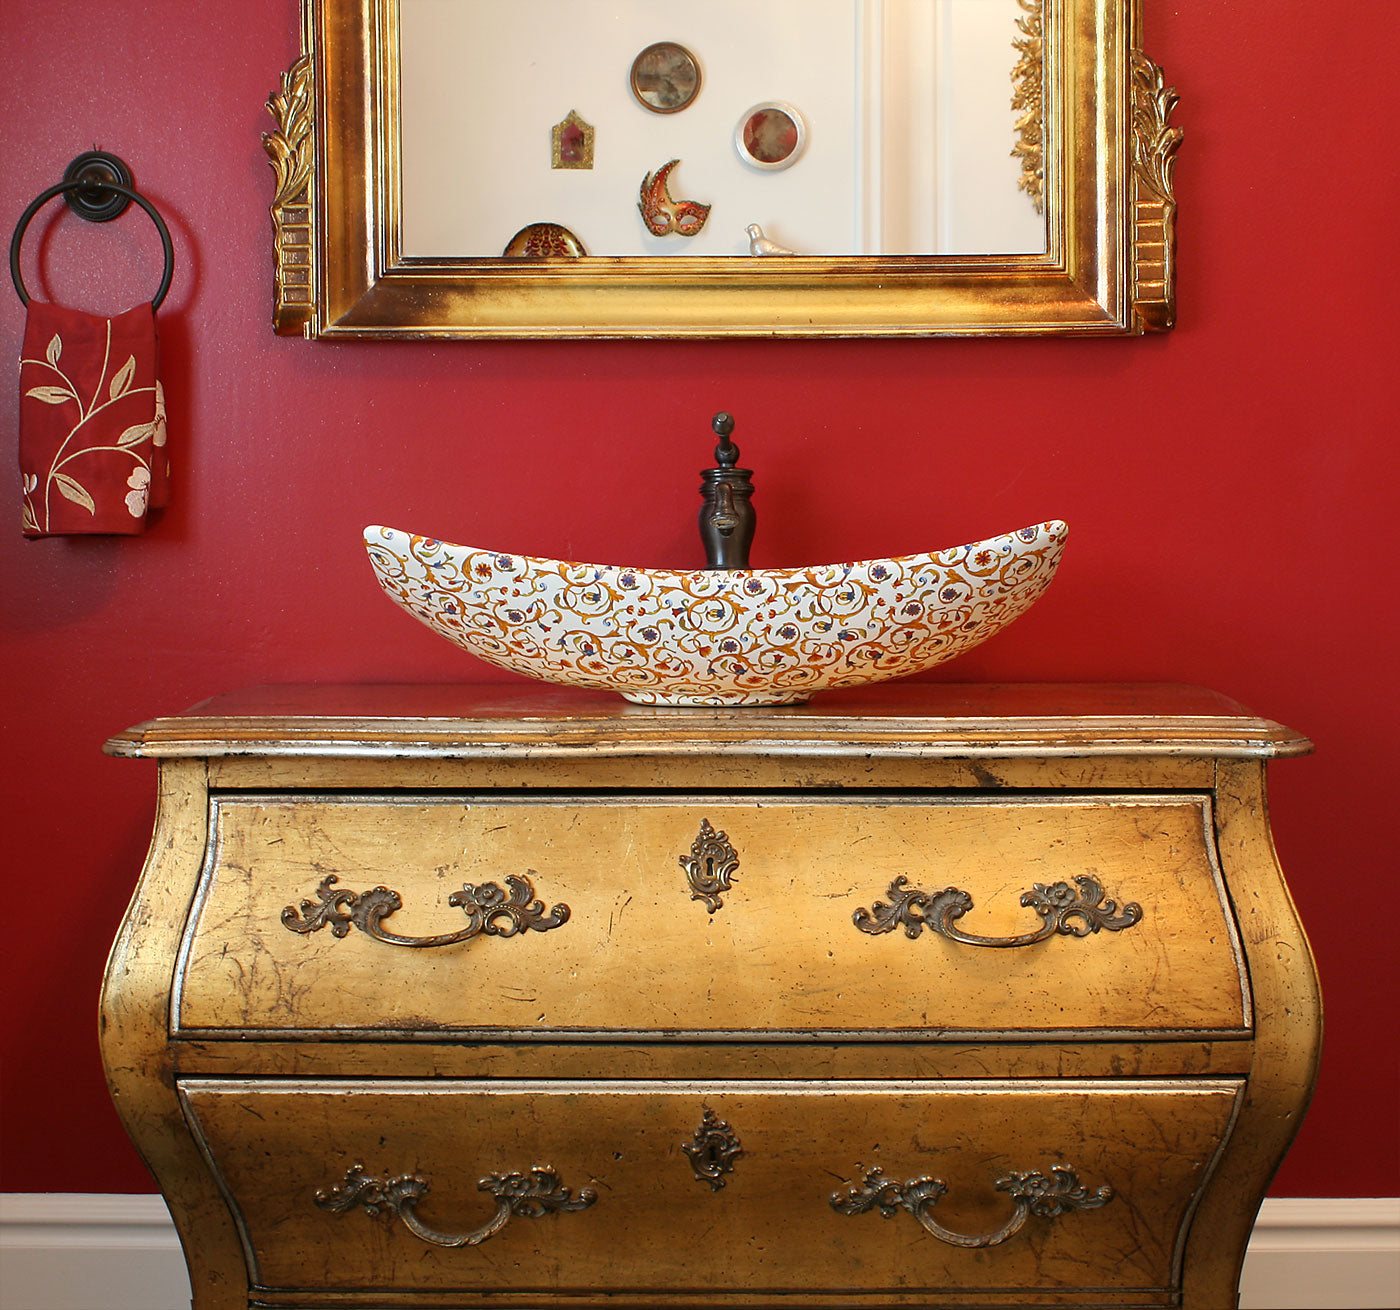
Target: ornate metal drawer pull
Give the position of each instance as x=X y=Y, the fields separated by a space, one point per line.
x=490 y=912
x=1065 y=910
x=710 y=866
x=528 y=1196
x=1043 y=1195
x=712 y=1150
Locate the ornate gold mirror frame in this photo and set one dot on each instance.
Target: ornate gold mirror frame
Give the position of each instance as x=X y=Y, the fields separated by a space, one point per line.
x=1096 y=137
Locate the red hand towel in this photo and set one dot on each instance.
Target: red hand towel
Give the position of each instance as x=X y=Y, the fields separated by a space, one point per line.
x=91 y=422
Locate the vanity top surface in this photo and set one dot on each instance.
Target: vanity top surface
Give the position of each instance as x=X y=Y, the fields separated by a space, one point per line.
x=455 y=719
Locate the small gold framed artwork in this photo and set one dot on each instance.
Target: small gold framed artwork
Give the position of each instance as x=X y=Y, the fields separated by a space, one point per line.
x=571 y=143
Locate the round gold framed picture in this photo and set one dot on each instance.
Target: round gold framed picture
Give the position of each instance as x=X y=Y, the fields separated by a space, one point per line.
x=665 y=78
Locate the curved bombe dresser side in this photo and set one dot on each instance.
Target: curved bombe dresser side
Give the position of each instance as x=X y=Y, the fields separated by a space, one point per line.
x=924 y=995
x=1287 y=1039
x=135 y=1030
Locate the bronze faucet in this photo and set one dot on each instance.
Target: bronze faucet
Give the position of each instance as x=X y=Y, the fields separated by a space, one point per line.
x=727 y=517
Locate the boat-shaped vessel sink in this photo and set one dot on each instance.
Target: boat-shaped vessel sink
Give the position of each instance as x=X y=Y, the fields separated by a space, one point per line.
x=722 y=636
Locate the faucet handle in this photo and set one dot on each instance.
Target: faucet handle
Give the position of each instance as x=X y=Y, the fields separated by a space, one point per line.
x=726 y=453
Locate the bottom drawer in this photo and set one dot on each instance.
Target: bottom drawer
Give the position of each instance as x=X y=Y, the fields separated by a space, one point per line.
x=667 y=1193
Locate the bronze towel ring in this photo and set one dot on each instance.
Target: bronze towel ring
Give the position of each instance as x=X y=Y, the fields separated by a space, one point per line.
x=97 y=187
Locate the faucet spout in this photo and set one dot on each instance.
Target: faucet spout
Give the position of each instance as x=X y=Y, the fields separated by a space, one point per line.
x=724 y=520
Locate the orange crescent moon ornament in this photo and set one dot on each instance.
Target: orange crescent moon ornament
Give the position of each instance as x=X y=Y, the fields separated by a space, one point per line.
x=664 y=216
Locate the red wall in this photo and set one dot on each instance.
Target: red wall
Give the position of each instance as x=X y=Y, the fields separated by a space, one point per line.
x=1230 y=488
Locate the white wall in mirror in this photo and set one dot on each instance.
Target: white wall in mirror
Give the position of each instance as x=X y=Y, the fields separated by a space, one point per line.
x=902 y=157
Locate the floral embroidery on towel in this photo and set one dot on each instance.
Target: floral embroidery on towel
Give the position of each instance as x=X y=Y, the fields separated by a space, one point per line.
x=92 y=422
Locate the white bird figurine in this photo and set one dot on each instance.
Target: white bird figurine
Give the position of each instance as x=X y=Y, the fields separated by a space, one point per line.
x=760 y=245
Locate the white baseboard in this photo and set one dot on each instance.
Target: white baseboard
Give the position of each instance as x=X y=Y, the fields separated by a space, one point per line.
x=61 y=1251
x=1329 y=1254
x=82 y=1251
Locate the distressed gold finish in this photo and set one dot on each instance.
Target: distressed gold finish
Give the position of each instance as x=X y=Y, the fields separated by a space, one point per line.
x=1028 y=99
x=809 y=862
x=1155 y=143
x=996 y=1097
x=1099 y=274
x=655 y=1238
x=290 y=150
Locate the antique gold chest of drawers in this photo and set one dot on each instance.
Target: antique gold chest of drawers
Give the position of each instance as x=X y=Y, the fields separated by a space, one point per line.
x=922 y=996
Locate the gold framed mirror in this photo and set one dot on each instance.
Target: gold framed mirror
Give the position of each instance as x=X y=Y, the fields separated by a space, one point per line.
x=358 y=250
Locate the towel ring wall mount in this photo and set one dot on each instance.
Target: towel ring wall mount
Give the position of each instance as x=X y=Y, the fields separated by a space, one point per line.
x=97 y=187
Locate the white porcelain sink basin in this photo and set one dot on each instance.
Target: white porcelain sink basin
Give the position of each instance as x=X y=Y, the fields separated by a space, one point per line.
x=740 y=637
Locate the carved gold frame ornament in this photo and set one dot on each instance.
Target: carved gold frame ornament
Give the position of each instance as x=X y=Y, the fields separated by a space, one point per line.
x=1028 y=99
x=1095 y=140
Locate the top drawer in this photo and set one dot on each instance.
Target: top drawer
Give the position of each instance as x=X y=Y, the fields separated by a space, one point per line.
x=367 y=915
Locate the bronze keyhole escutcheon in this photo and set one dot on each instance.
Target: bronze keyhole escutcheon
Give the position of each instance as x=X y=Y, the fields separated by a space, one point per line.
x=712 y=1150
x=710 y=866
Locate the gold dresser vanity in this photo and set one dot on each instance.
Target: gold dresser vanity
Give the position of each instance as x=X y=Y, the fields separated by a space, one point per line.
x=924 y=995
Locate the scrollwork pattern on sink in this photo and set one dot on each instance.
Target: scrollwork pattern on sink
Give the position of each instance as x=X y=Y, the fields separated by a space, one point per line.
x=720 y=636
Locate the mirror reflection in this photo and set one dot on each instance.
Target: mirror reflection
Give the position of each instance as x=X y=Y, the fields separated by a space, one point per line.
x=912 y=116
x=1015 y=175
